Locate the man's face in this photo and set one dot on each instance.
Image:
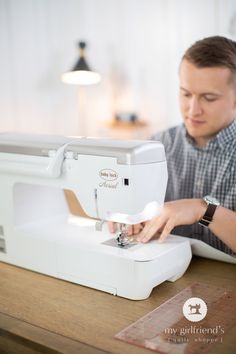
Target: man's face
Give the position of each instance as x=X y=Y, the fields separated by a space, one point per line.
x=207 y=100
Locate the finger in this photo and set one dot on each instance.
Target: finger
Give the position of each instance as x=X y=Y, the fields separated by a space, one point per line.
x=134 y=229
x=166 y=231
x=130 y=230
x=150 y=234
x=112 y=227
x=144 y=232
x=150 y=229
x=137 y=228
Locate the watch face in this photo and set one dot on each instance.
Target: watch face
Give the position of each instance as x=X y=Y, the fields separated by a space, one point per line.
x=211 y=200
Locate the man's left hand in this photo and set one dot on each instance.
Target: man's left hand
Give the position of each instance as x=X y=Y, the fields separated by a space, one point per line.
x=174 y=213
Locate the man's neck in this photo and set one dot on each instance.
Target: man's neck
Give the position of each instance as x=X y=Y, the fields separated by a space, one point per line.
x=203 y=141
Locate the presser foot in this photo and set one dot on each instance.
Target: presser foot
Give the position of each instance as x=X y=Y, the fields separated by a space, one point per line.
x=123 y=239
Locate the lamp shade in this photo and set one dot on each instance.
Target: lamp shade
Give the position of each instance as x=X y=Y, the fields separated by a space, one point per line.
x=81 y=74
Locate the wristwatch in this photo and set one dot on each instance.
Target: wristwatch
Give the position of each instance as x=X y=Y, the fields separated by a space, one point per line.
x=212 y=204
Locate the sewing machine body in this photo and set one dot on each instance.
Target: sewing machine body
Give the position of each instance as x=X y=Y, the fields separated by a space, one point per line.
x=117 y=181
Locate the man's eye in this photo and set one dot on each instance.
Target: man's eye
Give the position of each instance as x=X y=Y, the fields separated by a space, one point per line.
x=186 y=94
x=210 y=98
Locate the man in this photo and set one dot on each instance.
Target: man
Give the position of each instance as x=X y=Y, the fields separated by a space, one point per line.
x=201 y=153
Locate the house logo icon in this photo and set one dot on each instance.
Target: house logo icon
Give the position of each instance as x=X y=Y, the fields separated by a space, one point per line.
x=194 y=309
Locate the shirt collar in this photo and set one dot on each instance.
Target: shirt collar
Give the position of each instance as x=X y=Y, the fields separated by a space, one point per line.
x=226 y=135
x=221 y=139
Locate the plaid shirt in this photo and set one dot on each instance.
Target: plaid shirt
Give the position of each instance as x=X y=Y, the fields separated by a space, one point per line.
x=195 y=172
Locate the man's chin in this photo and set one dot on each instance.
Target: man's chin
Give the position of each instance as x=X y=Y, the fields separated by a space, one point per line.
x=193 y=133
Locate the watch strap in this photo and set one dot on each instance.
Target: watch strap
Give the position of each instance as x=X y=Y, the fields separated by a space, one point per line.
x=208 y=216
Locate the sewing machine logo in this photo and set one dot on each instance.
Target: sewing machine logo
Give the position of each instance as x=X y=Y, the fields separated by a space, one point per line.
x=194 y=309
x=109 y=177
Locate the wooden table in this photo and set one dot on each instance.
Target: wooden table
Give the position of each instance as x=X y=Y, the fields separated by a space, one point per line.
x=41 y=314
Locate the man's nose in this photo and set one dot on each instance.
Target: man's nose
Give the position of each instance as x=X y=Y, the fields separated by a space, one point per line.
x=194 y=107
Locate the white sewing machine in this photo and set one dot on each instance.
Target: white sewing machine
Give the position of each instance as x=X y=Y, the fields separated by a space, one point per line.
x=122 y=181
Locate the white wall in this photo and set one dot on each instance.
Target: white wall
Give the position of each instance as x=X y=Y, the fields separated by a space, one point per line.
x=135 y=44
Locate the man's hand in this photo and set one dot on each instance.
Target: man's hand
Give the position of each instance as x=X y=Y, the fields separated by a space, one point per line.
x=175 y=213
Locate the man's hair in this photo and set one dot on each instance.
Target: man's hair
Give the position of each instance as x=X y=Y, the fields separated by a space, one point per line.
x=216 y=51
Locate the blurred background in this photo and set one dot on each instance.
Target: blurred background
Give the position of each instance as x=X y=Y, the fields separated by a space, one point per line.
x=135 y=45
